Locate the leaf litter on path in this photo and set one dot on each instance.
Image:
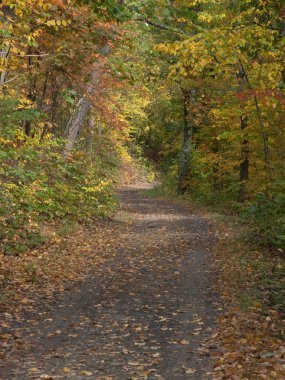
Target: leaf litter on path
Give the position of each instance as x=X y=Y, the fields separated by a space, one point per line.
x=127 y=293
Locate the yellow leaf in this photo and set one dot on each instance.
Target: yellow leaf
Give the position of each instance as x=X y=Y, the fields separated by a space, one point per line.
x=33 y=370
x=51 y=23
x=86 y=373
x=24 y=301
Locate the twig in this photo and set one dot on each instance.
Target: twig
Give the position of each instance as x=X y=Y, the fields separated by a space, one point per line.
x=10 y=80
x=163 y=27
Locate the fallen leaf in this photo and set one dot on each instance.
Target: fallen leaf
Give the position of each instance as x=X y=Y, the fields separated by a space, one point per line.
x=33 y=370
x=86 y=373
x=189 y=371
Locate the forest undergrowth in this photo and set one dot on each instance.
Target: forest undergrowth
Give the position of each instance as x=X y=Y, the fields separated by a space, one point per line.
x=97 y=94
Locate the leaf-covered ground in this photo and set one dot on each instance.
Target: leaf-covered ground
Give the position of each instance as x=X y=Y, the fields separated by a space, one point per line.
x=140 y=306
x=251 y=283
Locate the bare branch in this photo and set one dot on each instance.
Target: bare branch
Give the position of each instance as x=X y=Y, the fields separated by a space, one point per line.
x=163 y=27
x=10 y=80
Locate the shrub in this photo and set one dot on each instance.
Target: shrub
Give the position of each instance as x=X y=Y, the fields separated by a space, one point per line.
x=38 y=184
x=267 y=214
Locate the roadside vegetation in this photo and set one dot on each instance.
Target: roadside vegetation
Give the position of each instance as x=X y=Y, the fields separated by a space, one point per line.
x=96 y=94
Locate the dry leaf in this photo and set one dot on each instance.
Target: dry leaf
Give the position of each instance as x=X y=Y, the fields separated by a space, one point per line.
x=189 y=370
x=33 y=370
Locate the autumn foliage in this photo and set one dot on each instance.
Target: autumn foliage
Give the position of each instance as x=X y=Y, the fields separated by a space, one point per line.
x=95 y=93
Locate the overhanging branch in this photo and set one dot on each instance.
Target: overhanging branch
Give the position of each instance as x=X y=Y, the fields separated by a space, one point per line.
x=163 y=27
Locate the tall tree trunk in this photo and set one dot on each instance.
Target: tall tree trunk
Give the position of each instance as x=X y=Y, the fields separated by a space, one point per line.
x=244 y=165
x=7 y=14
x=32 y=97
x=4 y=56
x=54 y=105
x=186 y=146
x=80 y=114
x=217 y=179
x=262 y=128
x=90 y=134
x=75 y=123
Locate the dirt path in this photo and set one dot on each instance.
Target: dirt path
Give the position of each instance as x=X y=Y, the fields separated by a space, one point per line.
x=146 y=313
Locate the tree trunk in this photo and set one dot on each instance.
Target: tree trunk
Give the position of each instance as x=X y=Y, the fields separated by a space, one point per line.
x=75 y=123
x=90 y=134
x=217 y=179
x=244 y=166
x=185 y=154
x=7 y=13
x=79 y=116
x=260 y=122
x=4 y=56
x=32 y=97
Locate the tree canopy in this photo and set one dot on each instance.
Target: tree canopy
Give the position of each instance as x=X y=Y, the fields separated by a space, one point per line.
x=101 y=80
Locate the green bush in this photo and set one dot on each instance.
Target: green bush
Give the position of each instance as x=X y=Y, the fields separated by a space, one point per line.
x=267 y=214
x=37 y=184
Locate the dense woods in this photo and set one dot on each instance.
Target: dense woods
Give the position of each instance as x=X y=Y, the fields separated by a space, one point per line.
x=87 y=84
x=225 y=67
x=187 y=93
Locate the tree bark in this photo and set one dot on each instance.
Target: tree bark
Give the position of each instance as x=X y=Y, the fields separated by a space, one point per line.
x=186 y=146
x=260 y=123
x=75 y=123
x=7 y=13
x=84 y=105
x=244 y=166
x=32 y=95
x=217 y=179
x=4 y=56
x=90 y=134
